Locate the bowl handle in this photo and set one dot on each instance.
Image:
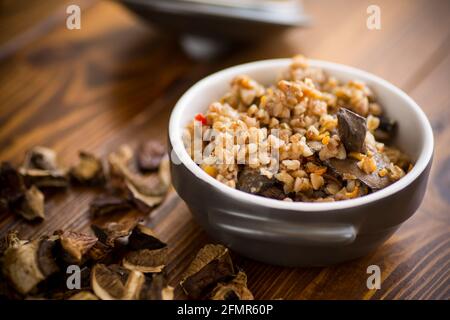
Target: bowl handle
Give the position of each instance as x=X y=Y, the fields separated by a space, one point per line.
x=261 y=228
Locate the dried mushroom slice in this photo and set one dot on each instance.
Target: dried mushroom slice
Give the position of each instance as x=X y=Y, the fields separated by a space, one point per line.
x=352 y=130
x=148 y=185
x=21 y=268
x=116 y=283
x=41 y=158
x=84 y=295
x=146 y=260
x=167 y=293
x=31 y=205
x=11 y=240
x=119 y=161
x=105 y=204
x=252 y=181
x=25 y=265
x=150 y=190
x=235 y=289
x=211 y=265
x=121 y=168
x=274 y=192
x=156 y=288
x=350 y=167
x=44 y=178
x=386 y=129
x=46 y=259
x=89 y=170
x=145 y=191
x=41 y=169
x=110 y=231
x=143 y=202
x=149 y=155
x=148 y=253
x=99 y=251
x=75 y=246
x=12 y=186
x=143 y=237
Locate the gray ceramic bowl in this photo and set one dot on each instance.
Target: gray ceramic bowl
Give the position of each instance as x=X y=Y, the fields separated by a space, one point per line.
x=295 y=233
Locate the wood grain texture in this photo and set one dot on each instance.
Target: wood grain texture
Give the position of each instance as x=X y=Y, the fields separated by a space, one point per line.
x=116 y=80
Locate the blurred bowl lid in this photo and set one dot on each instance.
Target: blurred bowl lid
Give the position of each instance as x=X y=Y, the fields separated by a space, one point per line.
x=232 y=19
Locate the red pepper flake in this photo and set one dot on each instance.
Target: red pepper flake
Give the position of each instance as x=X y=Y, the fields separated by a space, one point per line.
x=200 y=117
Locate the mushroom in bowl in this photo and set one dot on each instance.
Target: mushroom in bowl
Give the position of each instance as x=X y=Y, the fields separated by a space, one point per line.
x=304 y=233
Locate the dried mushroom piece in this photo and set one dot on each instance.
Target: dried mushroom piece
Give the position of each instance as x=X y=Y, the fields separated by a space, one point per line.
x=84 y=295
x=143 y=202
x=156 y=288
x=386 y=129
x=252 y=181
x=12 y=186
x=235 y=289
x=46 y=259
x=352 y=130
x=211 y=265
x=118 y=165
x=143 y=237
x=274 y=192
x=105 y=204
x=31 y=205
x=146 y=191
x=11 y=240
x=149 y=155
x=75 y=246
x=152 y=184
x=99 y=251
x=21 y=268
x=41 y=169
x=89 y=170
x=41 y=158
x=148 y=185
x=44 y=178
x=146 y=260
x=150 y=192
x=350 y=167
x=116 y=283
x=26 y=264
x=14 y=195
x=148 y=253
x=110 y=231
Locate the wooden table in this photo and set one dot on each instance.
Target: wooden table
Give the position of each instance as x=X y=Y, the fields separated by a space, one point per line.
x=116 y=80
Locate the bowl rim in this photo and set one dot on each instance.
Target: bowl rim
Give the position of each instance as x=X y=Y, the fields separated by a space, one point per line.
x=178 y=149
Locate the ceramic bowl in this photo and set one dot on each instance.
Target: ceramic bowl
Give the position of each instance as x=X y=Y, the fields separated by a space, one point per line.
x=298 y=233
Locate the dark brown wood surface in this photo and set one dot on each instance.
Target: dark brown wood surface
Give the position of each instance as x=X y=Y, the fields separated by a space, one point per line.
x=116 y=80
